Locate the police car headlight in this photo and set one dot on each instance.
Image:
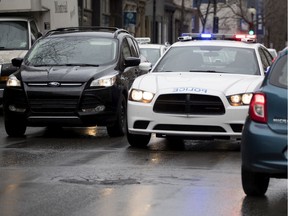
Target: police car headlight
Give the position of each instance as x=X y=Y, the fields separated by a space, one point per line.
x=104 y=81
x=13 y=82
x=240 y=99
x=141 y=96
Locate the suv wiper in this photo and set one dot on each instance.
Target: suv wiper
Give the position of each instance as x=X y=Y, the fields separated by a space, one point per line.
x=81 y=65
x=51 y=65
x=2 y=47
x=207 y=71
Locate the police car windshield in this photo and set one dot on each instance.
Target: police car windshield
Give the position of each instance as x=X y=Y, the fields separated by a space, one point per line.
x=210 y=59
x=73 y=51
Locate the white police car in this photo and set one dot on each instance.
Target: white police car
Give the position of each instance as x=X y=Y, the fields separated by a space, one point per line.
x=151 y=51
x=198 y=88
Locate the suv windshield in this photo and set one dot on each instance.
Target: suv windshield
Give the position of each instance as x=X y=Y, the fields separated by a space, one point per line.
x=13 y=35
x=209 y=59
x=72 y=51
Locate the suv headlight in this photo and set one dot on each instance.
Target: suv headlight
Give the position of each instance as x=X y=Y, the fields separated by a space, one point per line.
x=141 y=96
x=13 y=81
x=240 y=99
x=104 y=81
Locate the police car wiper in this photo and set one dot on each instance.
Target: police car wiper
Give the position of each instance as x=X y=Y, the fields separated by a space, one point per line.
x=207 y=71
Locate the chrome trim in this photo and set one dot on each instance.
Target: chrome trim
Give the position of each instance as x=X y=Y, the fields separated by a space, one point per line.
x=61 y=84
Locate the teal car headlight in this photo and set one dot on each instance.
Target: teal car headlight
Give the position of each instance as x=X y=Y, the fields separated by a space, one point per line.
x=240 y=99
x=13 y=81
x=104 y=81
x=141 y=96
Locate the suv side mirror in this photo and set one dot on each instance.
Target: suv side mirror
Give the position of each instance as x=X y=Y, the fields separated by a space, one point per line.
x=16 y=62
x=132 y=61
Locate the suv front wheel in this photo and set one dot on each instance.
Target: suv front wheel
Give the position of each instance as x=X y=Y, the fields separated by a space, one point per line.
x=118 y=128
x=15 y=128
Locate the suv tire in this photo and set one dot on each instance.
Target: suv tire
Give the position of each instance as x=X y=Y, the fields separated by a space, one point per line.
x=118 y=128
x=15 y=128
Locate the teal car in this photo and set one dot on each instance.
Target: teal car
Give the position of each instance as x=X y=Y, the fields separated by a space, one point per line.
x=264 y=137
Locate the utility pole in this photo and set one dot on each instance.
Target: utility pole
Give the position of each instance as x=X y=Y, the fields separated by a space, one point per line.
x=182 y=18
x=215 y=18
x=154 y=22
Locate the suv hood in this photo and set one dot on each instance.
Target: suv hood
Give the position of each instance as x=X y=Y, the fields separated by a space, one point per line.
x=62 y=73
x=227 y=83
x=7 y=55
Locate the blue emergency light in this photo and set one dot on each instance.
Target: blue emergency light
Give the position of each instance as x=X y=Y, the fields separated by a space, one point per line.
x=205 y=35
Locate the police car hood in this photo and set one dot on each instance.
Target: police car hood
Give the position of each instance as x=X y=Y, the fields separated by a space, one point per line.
x=63 y=73
x=198 y=82
x=7 y=55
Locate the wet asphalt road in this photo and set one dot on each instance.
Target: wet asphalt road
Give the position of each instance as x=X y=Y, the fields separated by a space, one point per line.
x=83 y=172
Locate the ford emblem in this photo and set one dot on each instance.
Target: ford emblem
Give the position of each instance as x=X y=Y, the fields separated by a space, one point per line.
x=54 y=84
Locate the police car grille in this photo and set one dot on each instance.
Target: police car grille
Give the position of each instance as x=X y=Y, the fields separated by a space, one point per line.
x=192 y=104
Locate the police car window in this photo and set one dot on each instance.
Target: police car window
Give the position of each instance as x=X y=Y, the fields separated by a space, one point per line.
x=268 y=56
x=209 y=59
x=264 y=60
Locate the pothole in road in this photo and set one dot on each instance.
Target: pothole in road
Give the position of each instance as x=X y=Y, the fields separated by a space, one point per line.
x=85 y=181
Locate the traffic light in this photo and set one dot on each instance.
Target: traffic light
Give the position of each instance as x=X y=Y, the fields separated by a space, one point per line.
x=251 y=29
x=251 y=32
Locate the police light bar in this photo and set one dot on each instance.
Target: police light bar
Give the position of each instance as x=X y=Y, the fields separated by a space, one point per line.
x=143 y=40
x=203 y=35
x=208 y=36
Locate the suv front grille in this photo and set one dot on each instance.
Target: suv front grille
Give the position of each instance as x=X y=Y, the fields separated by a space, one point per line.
x=189 y=104
x=54 y=105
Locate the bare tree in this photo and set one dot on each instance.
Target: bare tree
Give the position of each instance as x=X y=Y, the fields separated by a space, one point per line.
x=203 y=14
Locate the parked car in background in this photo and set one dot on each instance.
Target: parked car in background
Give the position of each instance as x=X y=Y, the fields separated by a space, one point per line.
x=264 y=139
x=73 y=77
x=151 y=51
x=17 y=35
x=198 y=88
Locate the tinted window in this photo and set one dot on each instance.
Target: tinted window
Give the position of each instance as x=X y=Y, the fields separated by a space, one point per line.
x=125 y=49
x=278 y=74
x=14 y=35
x=132 y=47
x=209 y=59
x=73 y=50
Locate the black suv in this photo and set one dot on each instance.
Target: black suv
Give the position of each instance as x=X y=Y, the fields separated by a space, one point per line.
x=73 y=77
